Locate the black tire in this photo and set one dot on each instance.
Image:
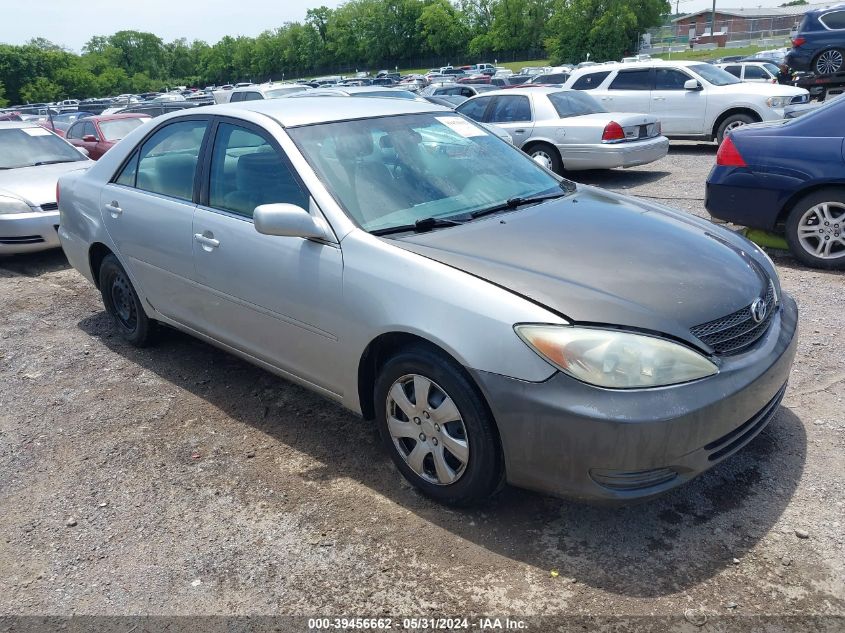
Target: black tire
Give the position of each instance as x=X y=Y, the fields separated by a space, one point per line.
x=548 y=151
x=829 y=62
x=731 y=121
x=483 y=473
x=833 y=231
x=124 y=306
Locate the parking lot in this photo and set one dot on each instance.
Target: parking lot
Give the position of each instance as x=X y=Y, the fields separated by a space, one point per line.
x=181 y=480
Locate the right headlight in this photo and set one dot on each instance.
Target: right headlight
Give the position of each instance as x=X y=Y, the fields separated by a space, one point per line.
x=9 y=204
x=615 y=359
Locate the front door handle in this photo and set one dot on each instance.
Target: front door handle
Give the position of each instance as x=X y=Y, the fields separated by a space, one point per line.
x=519 y=131
x=660 y=98
x=114 y=208
x=207 y=241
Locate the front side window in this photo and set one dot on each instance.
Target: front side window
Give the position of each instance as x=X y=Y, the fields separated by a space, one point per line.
x=130 y=170
x=475 y=108
x=247 y=171
x=168 y=160
x=389 y=172
x=669 y=79
x=510 y=109
x=252 y=96
x=590 y=81
x=632 y=80
x=755 y=72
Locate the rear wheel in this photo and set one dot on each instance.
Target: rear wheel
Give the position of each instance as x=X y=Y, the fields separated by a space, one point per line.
x=122 y=303
x=815 y=229
x=829 y=62
x=731 y=123
x=547 y=155
x=437 y=428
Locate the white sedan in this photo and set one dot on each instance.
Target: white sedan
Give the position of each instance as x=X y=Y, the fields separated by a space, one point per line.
x=568 y=129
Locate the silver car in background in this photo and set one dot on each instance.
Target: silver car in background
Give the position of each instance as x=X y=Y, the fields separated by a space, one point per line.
x=31 y=161
x=499 y=323
x=568 y=129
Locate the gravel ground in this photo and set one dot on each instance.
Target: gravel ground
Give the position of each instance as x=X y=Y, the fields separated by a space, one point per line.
x=179 y=480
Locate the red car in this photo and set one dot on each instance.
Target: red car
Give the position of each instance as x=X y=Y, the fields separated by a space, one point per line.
x=97 y=134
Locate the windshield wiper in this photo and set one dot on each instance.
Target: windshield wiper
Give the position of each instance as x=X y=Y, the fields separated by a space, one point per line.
x=519 y=201
x=51 y=162
x=420 y=226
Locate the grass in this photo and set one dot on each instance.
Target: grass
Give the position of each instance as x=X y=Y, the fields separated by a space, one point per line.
x=692 y=55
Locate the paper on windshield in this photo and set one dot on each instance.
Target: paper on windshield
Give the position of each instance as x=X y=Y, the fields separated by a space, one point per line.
x=461 y=126
x=36 y=131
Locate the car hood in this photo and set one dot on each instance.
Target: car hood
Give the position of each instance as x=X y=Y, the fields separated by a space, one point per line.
x=762 y=89
x=598 y=257
x=36 y=185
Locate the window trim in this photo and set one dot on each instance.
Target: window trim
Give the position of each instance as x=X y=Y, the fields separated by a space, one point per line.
x=654 y=87
x=208 y=119
x=203 y=195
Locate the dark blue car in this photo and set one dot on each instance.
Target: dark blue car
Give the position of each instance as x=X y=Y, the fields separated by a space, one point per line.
x=819 y=42
x=788 y=177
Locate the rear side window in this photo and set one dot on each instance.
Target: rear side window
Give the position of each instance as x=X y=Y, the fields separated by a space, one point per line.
x=591 y=81
x=554 y=78
x=167 y=162
x=510 y=109
x=247 y=171
x=475 y=108
x=833 y=20
x=735 y=70
x=632 y=80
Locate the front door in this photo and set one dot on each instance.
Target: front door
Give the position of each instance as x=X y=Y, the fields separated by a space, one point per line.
x=148 y=212
x=680 y=111
x=272 y=297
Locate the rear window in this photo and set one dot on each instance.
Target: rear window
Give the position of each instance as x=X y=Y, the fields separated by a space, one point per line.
x=573 y=103
x=591 y=81
x=833 y=20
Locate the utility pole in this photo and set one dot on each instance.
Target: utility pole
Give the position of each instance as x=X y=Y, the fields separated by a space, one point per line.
x=713 y=22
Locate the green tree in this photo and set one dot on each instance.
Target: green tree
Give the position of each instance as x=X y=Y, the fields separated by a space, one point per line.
x=442 y=27
x=40 y=89
x=3 y=100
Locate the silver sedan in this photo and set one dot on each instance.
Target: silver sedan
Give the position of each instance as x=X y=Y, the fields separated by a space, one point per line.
x=31 y=161
x=568 y=129
x=500 y=323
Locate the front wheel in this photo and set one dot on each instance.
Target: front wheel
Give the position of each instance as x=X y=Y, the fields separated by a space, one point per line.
x=830 y=62
x=437 y=428
x=730 y=124
x=122 y=303
x=815 y=229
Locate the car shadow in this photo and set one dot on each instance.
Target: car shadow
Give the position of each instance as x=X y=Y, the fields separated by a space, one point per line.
x=648 y=550
x=693 y=149
x=617 y=179
x=33 y=264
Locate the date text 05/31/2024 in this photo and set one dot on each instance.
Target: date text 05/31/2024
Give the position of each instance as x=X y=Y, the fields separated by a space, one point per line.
x=416 y=624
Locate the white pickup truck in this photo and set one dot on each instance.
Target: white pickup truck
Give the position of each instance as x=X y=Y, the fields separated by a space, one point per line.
x=693 y=100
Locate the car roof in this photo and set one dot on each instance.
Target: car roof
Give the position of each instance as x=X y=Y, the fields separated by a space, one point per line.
x=316 y=109
x=536 y=90
x=646 y=63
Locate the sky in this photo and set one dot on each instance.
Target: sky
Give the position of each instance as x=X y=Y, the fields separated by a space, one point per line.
x=71 y=23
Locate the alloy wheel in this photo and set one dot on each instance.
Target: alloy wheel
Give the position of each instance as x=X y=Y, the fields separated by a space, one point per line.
x=821 y=230
x=829 y=62
x=427 y=429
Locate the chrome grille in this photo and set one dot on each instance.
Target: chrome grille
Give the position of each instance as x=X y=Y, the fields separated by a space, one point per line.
x=737 y=331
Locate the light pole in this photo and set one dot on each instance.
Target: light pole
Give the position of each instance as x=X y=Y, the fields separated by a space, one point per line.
x=713 y=22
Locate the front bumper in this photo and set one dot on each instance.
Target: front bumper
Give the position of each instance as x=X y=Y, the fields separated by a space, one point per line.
x=573 y=440
x=611 y=155
x=28 y=232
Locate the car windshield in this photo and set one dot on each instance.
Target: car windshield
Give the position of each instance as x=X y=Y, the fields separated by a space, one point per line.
x=574 y=103
x=771 y=68
x=30 y=146
x=714 y=75
x=390 y=172
x=116 y=129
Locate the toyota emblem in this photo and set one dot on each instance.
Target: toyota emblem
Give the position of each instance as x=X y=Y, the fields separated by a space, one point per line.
x=759 y=310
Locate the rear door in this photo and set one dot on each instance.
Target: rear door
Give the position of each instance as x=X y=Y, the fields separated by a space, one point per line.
x=272 y=297
x=148 y=210
x=512 y=113
x=629 y=91
x=680 y=111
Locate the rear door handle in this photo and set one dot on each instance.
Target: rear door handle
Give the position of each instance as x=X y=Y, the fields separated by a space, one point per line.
x=207 y=242
x=114 y=208
x=660 y=98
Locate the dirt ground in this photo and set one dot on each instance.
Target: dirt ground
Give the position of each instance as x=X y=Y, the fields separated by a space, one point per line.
x=179 y=480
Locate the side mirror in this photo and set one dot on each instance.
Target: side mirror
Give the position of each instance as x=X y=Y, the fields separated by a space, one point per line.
x=288 y=220
x=692 y=84
x=89 y=138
